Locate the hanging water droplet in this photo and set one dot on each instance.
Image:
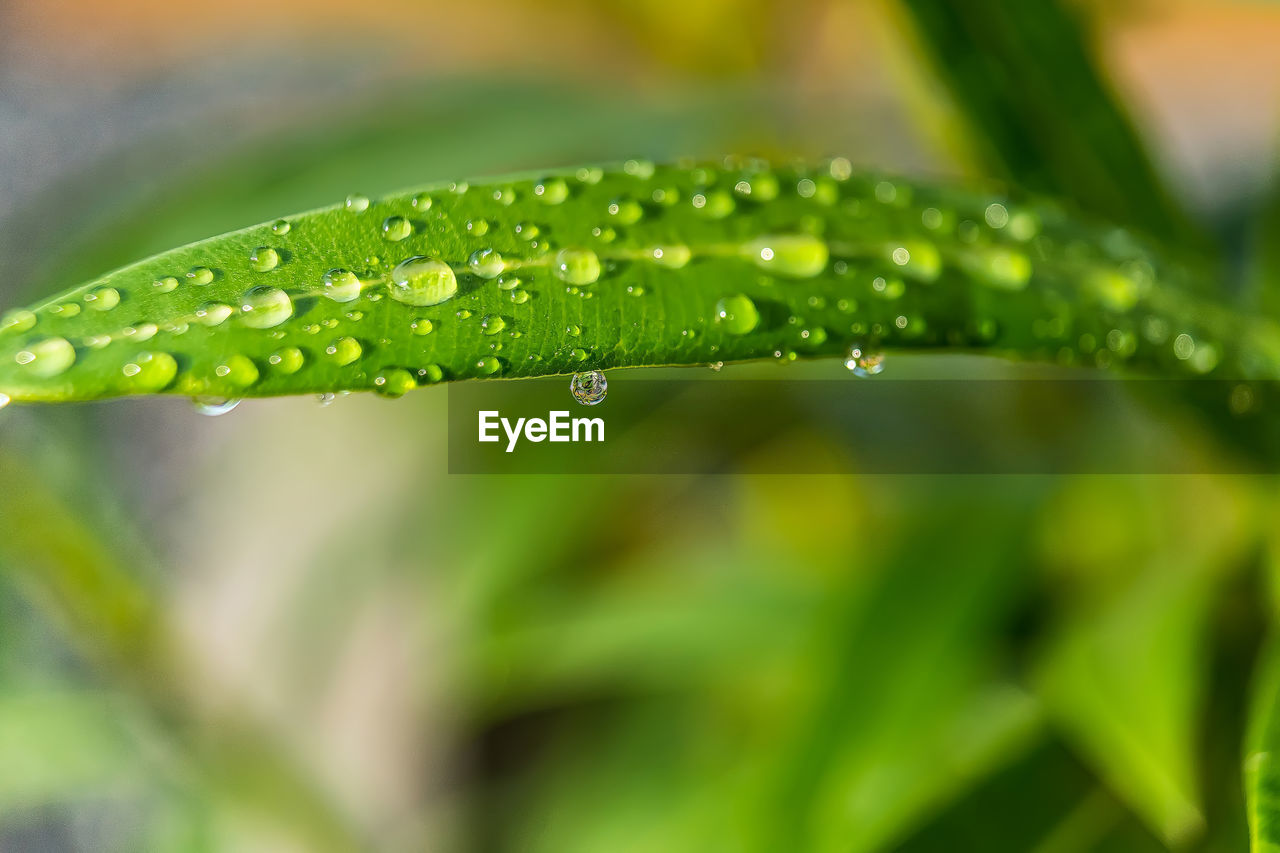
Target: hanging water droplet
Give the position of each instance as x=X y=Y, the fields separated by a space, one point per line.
x=150 y=371
x=396 y=228
x=168 y=284
x=265 y=307
x=344 y=350
x=789 y=255
x=738 y=314
x=47 y=358
x=280 y=226
x=492 y=324
x=394 y=383
x=264 y=259
x=357 y=203
x=214 y=406
x=200 y=275
x=287 y=361
x=341 y=285
x=486 y=263
x=422 y=281
x=577 y=266
x=102 y=298
x=864 y=362
x=589 y=389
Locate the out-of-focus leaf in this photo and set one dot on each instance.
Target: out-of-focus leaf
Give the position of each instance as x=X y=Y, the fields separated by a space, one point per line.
x=1124 y=675
x=1262 y=756
x=1037 y=104
x=55 y=746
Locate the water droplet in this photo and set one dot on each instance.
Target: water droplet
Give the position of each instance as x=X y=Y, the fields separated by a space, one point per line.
x=477 y=227
x=264 y=259
x=573 y=331
x=102 y=298
x=287 y=361
x=214 y=406
x=265 y=307
x=519 y=297
x=864 y=362
x=492 y=324
x=759 y=187
x=396 y=228
x=790 y=255
x=422 y=201
x=578 y=354
x=996 y=215
x=508 y=282
x=716 y=205
x=673 y=257
x=357 y=203
x=394 y=383
x=738 y=314
x=237 y=370
x=280 y=226
x=167 y=284
x=552 y=191
x=431 y=373
x=488 y=366
x=462 y=314
x=200 y=275
x=1184 y=346
x=213 y=314
x=589 y=389
x=486 y=263
x=341 y=285
x=344 y=350
x=47 y=358
x=642 y=169
x=422 y=281
x=577 y=266
x=421 y=326
x=18 y=320
x=150 y=371
x=918 y=259
x=626 y=211
x=69 y=309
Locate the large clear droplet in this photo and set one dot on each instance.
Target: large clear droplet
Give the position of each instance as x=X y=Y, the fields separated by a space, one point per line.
x=422 y=281
x=589 y=389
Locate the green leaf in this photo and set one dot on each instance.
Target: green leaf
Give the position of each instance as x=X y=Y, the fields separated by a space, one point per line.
x=595 y=268
x=1261 y=766
x=1039 y=109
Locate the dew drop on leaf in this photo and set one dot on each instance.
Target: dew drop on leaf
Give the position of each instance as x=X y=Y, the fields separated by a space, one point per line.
x=200 y=275
x=47 y=358
x=394 y=383
x=422 y=281
x=288 y=360
x=341 y=285
x=738 y=314
x=577 y=266
x=265 y=307
x=264 y=259
x=149 y=372
x=344 y=350
x=790 y=255
x=486 y=263
x=102 y=298
x=396 y=228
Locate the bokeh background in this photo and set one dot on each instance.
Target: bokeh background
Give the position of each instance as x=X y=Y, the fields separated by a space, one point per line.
x=290 y=629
